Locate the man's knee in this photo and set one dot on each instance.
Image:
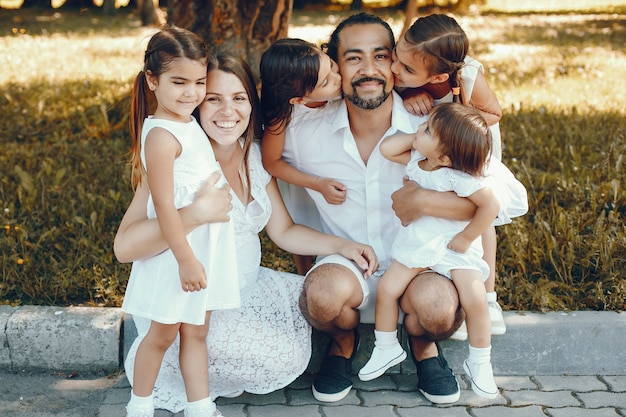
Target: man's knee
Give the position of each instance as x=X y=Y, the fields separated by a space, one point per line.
x=327 y=290
x=432 y=305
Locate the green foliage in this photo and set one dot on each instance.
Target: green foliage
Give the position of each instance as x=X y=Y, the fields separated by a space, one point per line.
x=64 y=181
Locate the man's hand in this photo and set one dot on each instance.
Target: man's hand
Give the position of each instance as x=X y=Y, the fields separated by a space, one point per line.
x=405 y=202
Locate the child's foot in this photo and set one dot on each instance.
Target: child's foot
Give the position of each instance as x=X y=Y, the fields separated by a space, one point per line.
x=481 y=375
x=202 y=408
x=380 y=361
x=135 y=411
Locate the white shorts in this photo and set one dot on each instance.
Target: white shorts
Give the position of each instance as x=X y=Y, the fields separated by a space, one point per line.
x=368 y=286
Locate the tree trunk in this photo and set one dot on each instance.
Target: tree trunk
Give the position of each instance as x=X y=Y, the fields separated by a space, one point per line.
x=244 y=27
x=108 y=7
x=77 y=4
x=37 y=3
x=356 y=5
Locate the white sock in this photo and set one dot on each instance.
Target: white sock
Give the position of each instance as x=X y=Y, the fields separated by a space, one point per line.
x=479 y=355
x=140 y=401
x=386 y=340
x=202 y=404
x=492 y=297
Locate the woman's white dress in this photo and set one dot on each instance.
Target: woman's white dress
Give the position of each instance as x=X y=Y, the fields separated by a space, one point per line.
x=154 y=289
x=424 y=243
x=260 y=347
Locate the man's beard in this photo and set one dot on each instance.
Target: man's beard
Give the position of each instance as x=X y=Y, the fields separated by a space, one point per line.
x=371 y=103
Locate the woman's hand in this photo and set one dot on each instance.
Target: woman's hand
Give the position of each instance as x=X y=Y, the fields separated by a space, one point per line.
x=212 y=203
x=362 y=254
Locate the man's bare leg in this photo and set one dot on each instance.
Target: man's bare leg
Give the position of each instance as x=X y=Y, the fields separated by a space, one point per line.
x=432 y=313
x=329 y=299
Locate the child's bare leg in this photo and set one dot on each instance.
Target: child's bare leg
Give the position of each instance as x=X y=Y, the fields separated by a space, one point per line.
x=147 y=364
x=473 y=298
x=490 y=246
x=150 y=355
x=387 y=350
x=194 y=359
x=390 y=287
x=489 y=255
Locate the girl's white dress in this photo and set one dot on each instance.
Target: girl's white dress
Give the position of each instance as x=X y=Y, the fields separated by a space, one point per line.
x=469 y=73
x=424 y=243
x=260 y=347
x=154 y=290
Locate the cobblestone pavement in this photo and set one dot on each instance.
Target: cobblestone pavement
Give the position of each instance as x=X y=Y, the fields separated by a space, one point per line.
x=51 y=394
x=521 y=396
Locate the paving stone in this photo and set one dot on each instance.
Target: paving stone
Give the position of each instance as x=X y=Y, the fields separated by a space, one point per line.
x=603 y=399
x=515 y=383
x=276 y=397
x=433 y=411
x=529 y=411
x=570 y=383
x=351 y=410
x=281 y=411
x=549 y=399
x=581 y=412
x=396 y=398
x=616 y=383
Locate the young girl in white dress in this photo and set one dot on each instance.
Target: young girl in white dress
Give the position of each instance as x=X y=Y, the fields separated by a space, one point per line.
x=448 y=153
x=178 y=288
x=265 y=344
x=432 y=66
x=296 y=75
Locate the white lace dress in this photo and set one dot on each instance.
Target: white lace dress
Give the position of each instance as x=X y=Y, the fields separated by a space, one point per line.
x=260 y=347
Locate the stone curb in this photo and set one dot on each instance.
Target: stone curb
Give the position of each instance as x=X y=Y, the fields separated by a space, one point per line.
x=93 y=338
x=60 y=338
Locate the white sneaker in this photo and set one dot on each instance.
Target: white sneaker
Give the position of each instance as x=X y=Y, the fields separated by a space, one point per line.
x=380 y=361
x=497 y=319
x=461 y=333
x=481 y=375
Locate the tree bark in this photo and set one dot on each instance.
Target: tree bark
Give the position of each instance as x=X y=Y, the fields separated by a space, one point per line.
x=244 y=27
x=78 y=4
x=37 y=3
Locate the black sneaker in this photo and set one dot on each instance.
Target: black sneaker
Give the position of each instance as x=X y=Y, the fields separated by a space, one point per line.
x=436 y=380
x=334 y=379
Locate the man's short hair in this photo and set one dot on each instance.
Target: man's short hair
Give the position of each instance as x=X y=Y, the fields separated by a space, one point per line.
x=331 y=48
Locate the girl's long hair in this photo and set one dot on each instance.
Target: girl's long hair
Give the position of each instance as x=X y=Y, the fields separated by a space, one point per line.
x=464 y=136
x=165 y=46
x=289 y=68
x=444 y=45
